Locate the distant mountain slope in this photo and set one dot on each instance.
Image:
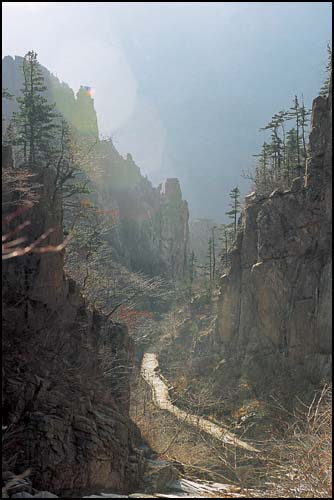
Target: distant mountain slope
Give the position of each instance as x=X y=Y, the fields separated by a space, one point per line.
x=77 y=109
x=152 y=232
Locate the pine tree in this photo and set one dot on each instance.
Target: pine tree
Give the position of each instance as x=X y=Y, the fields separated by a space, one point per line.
x=291 y=153
x=304 y=121
x=281 y=117
x=324 y=91
x=35 y=119
x=226 y=240
x=285 y=156
x=235 y=206
x=264 y=176
x=296 y=114
x=192 y=271
x=276 y=147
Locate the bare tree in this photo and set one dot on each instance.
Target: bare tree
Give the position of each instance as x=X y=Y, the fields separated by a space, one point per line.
x=14 y=245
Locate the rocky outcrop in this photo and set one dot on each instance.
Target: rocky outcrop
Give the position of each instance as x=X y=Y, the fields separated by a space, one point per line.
x=66 y=372
x=275 y=302
x=174 y=232
x=77 y=109
x=152 y=232
x=20 y=486
x=152 y=226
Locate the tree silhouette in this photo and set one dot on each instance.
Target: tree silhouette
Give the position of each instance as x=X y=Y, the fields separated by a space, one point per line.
x=235 y=207
x=35 y=120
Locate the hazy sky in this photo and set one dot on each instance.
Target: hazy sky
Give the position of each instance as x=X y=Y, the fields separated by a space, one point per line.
x=184 y=87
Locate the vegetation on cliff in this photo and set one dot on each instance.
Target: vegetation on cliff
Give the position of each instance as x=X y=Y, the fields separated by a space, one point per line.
x=99 y=274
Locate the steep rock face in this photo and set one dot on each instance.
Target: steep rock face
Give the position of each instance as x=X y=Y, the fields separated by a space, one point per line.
x=152 y=226
x=152 y=232
x=174 y=230
x=65 y=373
x=77 y=110
x=275 y=303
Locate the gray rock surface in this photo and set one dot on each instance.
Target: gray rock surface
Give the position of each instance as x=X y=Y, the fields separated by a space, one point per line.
x=275 y=303
x=45 y=494
x=153 y=237
x=22 y=494
x=19 y=485
x=159 y=474
x=71 y=424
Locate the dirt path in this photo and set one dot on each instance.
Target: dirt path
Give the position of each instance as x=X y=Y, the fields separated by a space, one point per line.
x=149 y=371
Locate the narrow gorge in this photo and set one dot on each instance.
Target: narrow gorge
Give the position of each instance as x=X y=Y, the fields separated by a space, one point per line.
x=147 y=353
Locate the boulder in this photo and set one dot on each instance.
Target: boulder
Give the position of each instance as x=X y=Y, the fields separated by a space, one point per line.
x=45 y=494
x=159 y=474
x=22 y=494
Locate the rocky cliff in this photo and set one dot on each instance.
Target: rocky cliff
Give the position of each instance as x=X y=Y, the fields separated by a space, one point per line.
x=152 y=232
x=66 y=371
x=275 y=302
x=66 y=367
x=152 y=226
x=77 y=109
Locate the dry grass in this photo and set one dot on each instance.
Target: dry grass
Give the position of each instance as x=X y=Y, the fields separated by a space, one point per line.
x=202 y=456
x=173 y=439
x=295 y=463
x=301 y=463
